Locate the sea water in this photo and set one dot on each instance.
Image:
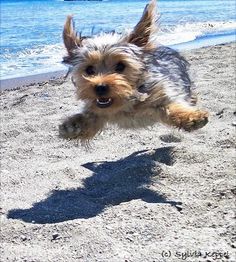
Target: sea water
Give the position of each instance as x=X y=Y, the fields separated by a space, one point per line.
x=31 y=41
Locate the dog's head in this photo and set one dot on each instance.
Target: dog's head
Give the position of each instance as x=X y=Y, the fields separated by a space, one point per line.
x=108 y=68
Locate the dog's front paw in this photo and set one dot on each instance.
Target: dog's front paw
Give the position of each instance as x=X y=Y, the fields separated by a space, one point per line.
x=70 y=128
x=195 y=120
x=81 y=126
x=188 y=119
x=192 y=120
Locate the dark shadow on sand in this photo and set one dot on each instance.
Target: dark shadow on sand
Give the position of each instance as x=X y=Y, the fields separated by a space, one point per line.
x=111 y=184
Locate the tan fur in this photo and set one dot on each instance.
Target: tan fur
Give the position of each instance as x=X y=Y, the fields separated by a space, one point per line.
x=120 y=89
x=70 y=38
x=145 y=28
x=187 y=118
x=121 y=86
x=173 y=114
x=86 y=124
x=135 y=97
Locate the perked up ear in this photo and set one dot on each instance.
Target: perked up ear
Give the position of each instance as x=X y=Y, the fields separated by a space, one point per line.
x=146 y=27
x=70 y=38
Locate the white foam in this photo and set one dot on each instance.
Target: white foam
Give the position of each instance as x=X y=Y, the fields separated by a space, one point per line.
x=190 y=31
x=33 y=61
x=48 y=58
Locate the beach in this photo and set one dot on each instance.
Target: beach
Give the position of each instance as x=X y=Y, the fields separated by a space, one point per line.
x=155 y=194
x=31 y=44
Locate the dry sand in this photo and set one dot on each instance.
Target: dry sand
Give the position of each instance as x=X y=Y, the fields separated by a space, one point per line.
x=141 y=195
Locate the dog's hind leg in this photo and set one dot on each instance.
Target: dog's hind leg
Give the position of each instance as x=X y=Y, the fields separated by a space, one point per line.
x=81 y=126
x=184 y=117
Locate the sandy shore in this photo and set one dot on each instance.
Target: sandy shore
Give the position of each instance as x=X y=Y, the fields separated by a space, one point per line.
x=146 y=195
x=19 y=82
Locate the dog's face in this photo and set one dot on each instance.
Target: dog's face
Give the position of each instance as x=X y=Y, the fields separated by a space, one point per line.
x=108 y=68
x=106 y=74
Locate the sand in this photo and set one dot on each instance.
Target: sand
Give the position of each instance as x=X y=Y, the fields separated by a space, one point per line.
x=18 y=82
x=154 y=194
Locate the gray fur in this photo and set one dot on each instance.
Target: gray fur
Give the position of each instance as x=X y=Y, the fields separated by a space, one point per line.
x=162 y=65
x=154 y=85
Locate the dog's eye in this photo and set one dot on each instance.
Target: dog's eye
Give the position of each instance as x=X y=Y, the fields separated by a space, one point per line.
x=90 y=70
x=120 y=67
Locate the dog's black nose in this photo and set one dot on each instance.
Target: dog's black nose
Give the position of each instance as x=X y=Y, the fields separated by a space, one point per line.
x=101 y=90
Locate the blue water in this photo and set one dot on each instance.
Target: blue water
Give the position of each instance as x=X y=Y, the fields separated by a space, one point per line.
x=31 y=30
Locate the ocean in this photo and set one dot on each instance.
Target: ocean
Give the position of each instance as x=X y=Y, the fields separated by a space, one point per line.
x=31 y=30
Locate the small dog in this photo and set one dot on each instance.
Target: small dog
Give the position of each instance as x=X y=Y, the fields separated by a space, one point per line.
x=128 y=80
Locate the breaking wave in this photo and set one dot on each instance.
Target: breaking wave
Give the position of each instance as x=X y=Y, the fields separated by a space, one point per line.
x=47 y=58
x=191 y=31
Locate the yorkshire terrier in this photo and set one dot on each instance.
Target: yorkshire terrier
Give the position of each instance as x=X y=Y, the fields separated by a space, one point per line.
x=128 y=80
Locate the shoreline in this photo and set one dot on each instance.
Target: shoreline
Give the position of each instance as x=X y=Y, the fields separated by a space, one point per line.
x=17 y=82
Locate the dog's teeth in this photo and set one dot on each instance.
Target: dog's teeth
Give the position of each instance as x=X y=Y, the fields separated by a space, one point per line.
x=104 y=102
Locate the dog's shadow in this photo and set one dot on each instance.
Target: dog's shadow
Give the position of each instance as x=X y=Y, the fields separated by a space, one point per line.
x=111 y=184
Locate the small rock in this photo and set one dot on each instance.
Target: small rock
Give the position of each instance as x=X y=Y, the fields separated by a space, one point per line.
x=130 y=232
x=42 y=84
x=169 y=138
x=220 y=113
x=55 y=236
x=179 y=208
x=234 y=124
x=222 y=194
x=23 y=237
x=130 y=239
x=233 y=190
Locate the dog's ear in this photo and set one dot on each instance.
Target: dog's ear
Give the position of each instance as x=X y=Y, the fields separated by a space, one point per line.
x=70 y=38
x=146 y=27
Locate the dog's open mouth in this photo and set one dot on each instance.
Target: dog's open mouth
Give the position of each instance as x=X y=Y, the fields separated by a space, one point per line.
x=104 y=102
